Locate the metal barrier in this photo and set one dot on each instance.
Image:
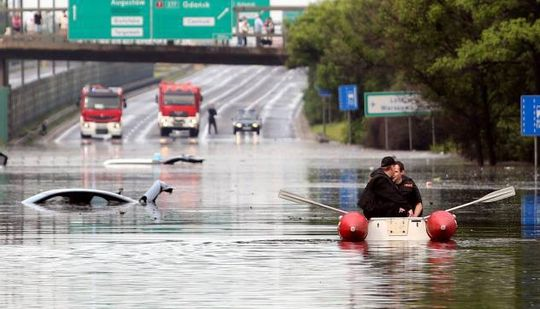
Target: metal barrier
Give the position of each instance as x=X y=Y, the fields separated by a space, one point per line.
x=33 y=101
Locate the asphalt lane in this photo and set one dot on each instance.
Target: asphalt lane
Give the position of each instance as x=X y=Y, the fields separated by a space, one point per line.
x=275 y=92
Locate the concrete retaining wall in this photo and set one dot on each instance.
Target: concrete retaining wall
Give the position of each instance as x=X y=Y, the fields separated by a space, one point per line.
x=42 y=97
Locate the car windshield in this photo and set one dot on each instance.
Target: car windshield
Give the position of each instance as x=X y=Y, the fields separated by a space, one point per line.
x=247 y=114
x=111 y=102
x=179 y=98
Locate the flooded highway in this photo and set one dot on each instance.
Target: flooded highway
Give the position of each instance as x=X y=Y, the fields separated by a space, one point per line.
x=223 y=238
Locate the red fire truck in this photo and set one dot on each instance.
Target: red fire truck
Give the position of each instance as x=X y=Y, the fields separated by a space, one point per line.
x=179 y=106
x=101 y=111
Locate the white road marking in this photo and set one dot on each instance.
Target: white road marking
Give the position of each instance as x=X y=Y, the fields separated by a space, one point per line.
x=67 y=132
x=204 y=132
x=151 y=124
x=277 y=85
x=221 y=74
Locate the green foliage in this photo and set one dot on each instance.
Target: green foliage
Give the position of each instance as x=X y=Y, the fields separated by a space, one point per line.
x=339 y=131
x=472 y=59
x=334 y=131
x=475 y=77
x=312 y=106
x=358 y=131
x=446 y=147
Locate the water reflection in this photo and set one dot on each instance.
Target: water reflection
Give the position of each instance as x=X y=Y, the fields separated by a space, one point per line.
x=361 y=247
x=404 y=272
x=530 y=216
x=246 y=138
x=441 y=266
x=224 y=225
x=154 y=212
x=339 y=186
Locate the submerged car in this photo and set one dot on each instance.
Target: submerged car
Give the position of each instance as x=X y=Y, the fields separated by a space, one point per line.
x=91 y=200
x=247 y=120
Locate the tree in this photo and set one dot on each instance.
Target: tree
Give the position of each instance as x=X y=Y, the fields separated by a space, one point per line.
x=468 y=56
x=472 y=58
x=337 y=40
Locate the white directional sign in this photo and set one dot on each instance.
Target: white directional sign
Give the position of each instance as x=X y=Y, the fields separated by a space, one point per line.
x=394 y=104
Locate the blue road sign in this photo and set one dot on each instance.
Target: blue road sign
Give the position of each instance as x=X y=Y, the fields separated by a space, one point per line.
x=324 y=92
x=530 y=115
x=348 y=98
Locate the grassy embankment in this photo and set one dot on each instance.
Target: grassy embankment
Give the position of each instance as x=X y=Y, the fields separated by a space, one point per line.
x=335 y=131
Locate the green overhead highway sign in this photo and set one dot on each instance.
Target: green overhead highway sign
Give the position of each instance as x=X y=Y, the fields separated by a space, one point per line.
x=149 y=19
x=175 y=19
x=109 y=19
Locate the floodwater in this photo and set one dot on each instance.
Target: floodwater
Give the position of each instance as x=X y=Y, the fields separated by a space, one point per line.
x=223 y=238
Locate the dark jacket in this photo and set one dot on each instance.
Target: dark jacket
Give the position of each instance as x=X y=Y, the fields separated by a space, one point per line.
x=212 y=114
x=410 y=191
x=381 y=197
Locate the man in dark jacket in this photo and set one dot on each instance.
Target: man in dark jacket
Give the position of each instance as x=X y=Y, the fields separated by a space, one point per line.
x=408 y=189
x=3 y=159
x=212 y=119
x=381 y=197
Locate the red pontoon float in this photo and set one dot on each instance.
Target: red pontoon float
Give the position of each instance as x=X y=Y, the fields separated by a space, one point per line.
x=439 y=226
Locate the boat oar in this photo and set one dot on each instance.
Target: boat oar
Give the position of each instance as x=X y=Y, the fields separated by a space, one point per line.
x=488 y=198
x=352 y=226
x=303 y=200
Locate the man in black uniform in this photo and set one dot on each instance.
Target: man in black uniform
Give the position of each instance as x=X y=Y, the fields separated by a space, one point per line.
x=212 y=119
x=3 y=159
x=408 y=189
x=381 y=197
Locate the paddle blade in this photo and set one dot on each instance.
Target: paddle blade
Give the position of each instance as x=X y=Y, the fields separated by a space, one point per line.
x=488 y=198
x=499 y=195
x=291 y=197
x=303 y=200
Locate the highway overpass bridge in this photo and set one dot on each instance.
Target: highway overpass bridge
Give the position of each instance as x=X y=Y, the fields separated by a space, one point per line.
x=47 y=48
x=55 y=46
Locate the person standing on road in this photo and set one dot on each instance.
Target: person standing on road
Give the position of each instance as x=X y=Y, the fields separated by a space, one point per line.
x=381 y=197
x=212 y=119
x=408 y=189
x=258 y=29
x=3 y=159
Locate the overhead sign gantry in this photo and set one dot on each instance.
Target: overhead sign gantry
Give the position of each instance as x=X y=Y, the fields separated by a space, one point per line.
x=149 y=19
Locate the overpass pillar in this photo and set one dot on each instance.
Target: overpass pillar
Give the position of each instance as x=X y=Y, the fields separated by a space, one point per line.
x=4 y=101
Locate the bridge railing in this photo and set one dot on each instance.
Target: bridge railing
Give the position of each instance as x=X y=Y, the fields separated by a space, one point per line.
x=53 y=29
